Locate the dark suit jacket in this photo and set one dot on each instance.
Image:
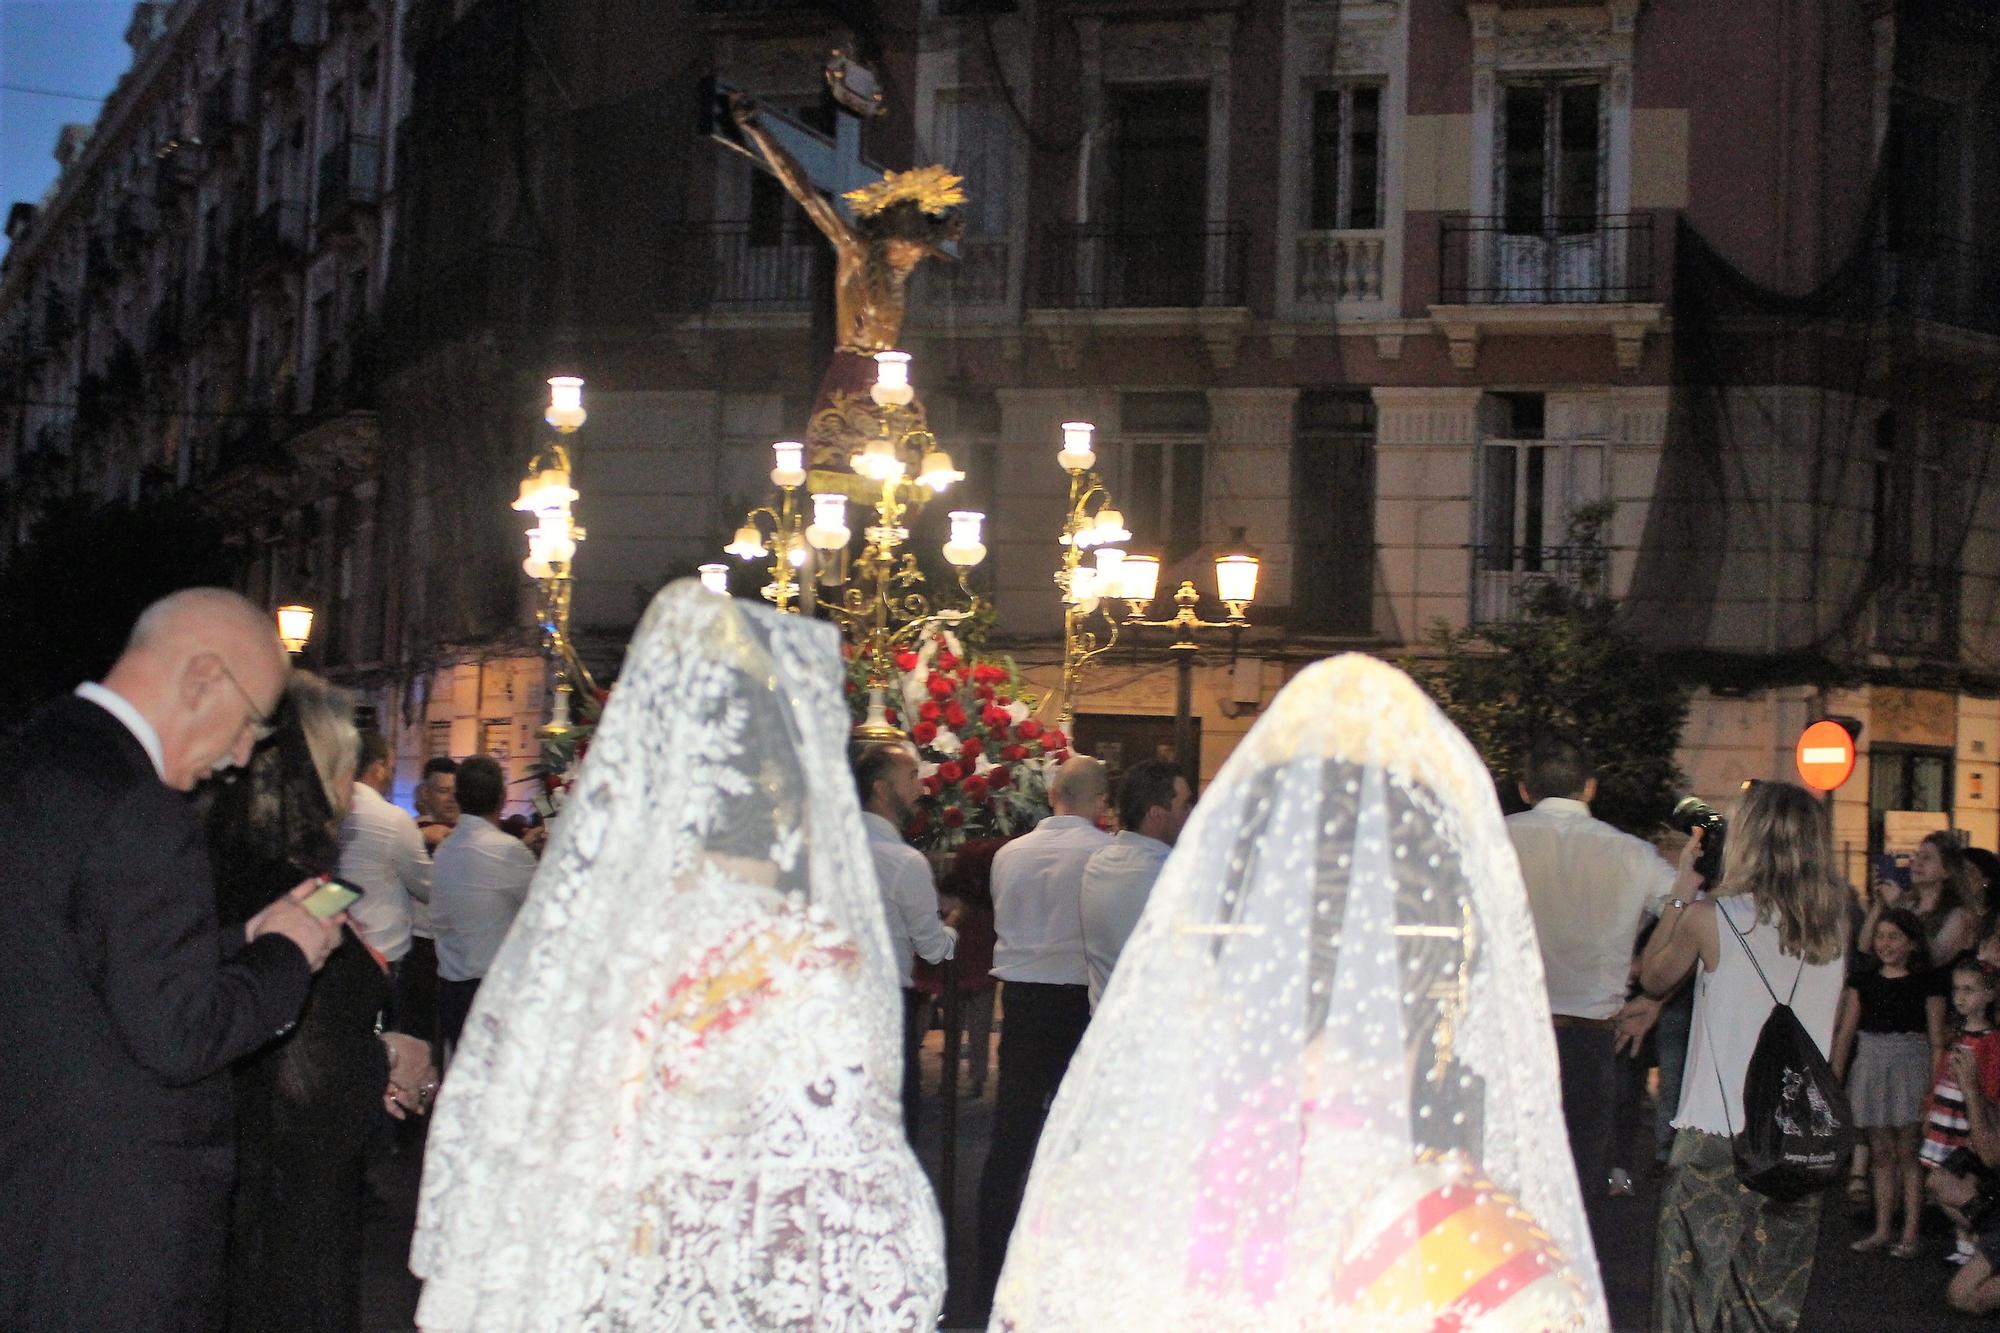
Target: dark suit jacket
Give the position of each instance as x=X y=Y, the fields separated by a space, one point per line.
x=122 y=1003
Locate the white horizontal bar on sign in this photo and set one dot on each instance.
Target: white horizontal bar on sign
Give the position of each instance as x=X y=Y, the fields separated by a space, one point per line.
x=1823 y=754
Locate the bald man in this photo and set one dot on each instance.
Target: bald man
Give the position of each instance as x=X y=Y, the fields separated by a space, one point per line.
x=122 y=1001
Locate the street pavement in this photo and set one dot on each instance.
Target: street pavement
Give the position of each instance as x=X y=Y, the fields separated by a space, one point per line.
x=1865 y=1293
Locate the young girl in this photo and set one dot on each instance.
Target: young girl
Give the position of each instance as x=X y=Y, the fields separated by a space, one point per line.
x=1945 y=1125
x=1898 y=1017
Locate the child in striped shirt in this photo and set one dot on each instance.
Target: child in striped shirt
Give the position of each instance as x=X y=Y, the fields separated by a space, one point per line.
x=1973 y=987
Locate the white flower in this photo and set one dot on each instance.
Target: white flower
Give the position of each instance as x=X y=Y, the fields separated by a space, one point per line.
x=981 y=765
x=951 y=643
x=947 y=742
x=926 y=769
x=1018 y=711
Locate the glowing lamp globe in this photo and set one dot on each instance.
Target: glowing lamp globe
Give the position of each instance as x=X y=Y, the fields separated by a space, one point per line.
x=1110 y=570
x=892 y=380
x=1110 y=527
x=829 y=531
x=790 y=470
x=878 y=462
x=715 y=578
x=565 y=403
x=965 y=550
x=937 y=471
x=295 y=626
x=1139 y=577
x=546 y=491
x=1236 y=577
x=1076 y=454
x=748 y=544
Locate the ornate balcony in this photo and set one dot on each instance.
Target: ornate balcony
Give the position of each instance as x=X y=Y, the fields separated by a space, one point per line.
x=1087 y=266
x=1564 y=261
x=1916 y=612
x=1505 y=579
x=1338 y=266
x=978 y=277
x=721 y=266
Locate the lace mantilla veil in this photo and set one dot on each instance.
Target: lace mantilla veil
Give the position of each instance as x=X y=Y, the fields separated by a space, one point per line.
x=675 y=1105
x=1320 y=1091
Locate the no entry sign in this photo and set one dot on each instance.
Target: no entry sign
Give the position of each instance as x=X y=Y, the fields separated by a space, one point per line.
x=1826 y=755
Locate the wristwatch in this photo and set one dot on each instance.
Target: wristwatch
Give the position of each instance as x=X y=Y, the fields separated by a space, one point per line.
x=1677 y=903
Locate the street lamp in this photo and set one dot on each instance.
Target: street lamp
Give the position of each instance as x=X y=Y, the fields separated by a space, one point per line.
x=295 y=626
x=1090 y=524
x=786 y=542
x=881 y=607
x=547 y=493
x=1236 y=584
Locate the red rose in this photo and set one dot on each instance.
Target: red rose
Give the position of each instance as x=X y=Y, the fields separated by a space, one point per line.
x=906 y=661
x=999 y=776
x=1060 y=756
x=932 y=785
x=985 y=693
x=973 y=747
x=1029 y=730
x=1014 y=753
x=603 y=696
x=850 y=687
x=951 y=816
x=995 y=719
x=924 y=733
x=940 y=687
x=920 y=824
x=551 y=782
x=890 y=713
x=950 y=771
x=954 y=714
x=1053 y=739
x=928 y=710
x=975 y=788
x=1004 y=700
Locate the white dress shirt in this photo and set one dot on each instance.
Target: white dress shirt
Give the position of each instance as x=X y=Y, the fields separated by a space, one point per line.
x=1116 y=882
x=910 y=898
x=382 y=852
x=1037 y=902
x=135 y=722
x=479 y=879
x=1589 y=885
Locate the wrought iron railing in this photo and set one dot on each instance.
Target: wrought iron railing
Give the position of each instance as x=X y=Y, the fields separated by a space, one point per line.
x=728 y=266
x=1608 y=259
x=1916 y=611
x=1087 y=266
x=1942 y=279
x=1505 y=579
x=978 y=277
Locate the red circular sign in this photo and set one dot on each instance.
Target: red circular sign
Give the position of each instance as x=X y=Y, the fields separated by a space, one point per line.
x=1826 y=755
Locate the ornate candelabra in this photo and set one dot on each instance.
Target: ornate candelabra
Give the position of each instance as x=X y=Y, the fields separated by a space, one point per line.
x=546 y=492
x=882 y=604
x=1236 y=584
x=785 y=543
x=1091 y=524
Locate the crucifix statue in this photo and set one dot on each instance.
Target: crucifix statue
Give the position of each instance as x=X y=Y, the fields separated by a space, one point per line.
x=881 y=226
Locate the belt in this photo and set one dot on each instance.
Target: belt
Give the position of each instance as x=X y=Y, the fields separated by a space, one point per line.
x=1589 y=1024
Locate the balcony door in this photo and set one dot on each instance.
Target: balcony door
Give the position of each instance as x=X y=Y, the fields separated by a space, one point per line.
x=1551 y=243
x=1158 y=197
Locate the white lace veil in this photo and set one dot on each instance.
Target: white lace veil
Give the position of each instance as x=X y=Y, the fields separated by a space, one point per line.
x=675 y=1104
x=1320 y=1090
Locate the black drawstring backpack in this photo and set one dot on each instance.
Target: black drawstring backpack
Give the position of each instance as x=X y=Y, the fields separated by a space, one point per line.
x=1798 y=1131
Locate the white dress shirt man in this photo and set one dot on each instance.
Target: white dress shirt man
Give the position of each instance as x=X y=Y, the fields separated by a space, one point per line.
x=885 y=777
x=383 y=854
x=1589 y=887
x=479 y=879
x=1045 y=999
x=1153 y=801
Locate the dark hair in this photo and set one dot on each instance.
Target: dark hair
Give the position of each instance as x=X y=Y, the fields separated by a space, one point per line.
x=1557 y=766
x=269 y=824
x=482 y=787
x=443 y=763
x=374 y=750
x=969 y=877
x=1912 y=926
x=1144 y=786
x=872 y=765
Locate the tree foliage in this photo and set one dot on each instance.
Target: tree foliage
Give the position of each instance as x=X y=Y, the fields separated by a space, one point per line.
x=1566 y=661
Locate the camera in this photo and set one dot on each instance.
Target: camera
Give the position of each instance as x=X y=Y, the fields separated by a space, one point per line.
x=1691 y=813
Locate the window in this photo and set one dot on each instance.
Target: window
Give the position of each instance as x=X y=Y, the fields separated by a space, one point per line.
x=496 y=739
x=1550 y=169
x=1333 y=511
x=1346 y=166
x=1907 y=778
x=1164 y=448
x=437 y=740
x=1530 y=488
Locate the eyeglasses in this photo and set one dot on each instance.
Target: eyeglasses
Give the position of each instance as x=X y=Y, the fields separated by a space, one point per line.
x=260 y=724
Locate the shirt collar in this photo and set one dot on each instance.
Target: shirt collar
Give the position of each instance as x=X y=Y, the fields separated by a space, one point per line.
x=1132 y=838
x=135 y=722
x=879 y=829
x=1065 y=821
x=1562 y=805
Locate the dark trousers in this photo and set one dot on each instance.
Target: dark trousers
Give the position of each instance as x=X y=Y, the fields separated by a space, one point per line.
x=1587 y=1060
x=914 y=1011
x=454 y=1002
x=1039 y=1030
x=413 y=1007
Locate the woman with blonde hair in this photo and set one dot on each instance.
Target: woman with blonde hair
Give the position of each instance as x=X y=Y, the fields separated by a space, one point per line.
x=1728 y=1257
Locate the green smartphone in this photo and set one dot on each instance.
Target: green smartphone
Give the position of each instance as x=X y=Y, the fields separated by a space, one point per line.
x=331 y=898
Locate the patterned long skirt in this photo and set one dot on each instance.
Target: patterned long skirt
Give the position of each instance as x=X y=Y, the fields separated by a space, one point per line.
x=1728 y=1258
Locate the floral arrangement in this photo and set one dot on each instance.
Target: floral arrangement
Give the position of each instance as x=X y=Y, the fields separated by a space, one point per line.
x=982 y=756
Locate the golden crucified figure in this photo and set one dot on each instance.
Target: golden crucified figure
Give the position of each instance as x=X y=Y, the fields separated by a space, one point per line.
x=899 y=221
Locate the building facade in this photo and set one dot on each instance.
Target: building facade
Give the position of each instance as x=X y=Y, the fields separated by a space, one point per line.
x=1391 y=289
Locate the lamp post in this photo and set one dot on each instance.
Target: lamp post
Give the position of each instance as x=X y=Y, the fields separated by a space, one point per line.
x=546 y=493
x=881 y=605
x=1235 y=583
x=295 y=627
x=786 y=543
x=1086 y=586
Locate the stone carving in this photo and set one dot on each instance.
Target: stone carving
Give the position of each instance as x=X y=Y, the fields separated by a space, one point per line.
x=1557 y=42
x=1135 y=52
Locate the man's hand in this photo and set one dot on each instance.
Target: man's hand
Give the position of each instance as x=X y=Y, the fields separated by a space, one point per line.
x=413 y=1079
x=315 y=938
x=1634 y=1021
x=434 y=834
